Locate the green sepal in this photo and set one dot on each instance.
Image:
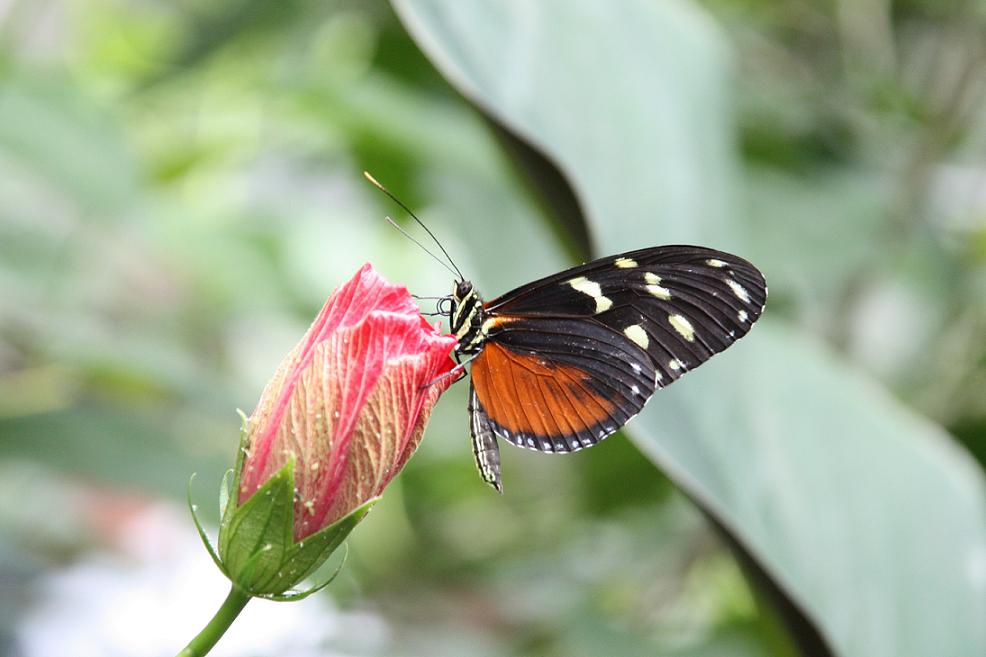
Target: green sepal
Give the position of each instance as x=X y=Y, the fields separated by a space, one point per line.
x=256 y=536
x=224 y=489
x=233 y=494
x=307 y=555
x=198 y=525
x=256 y=539
x=293 y=596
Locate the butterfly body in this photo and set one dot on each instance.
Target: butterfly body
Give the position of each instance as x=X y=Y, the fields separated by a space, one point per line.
x=562 y=362
x=466 y=318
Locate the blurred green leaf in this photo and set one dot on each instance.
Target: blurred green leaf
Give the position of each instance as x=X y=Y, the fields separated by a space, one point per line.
x=837 y=211
x=859 y=511
x=58 y=135
x=129 y=448
x=211 y=26
x=648 y=132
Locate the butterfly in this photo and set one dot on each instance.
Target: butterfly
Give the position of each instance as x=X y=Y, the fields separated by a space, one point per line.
x=559 y=364
x=563 y=362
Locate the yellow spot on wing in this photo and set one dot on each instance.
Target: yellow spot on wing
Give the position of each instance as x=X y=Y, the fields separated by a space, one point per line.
x=625 y=263
x=659 y=292
x=715 y=262
x=585 y=286
x=682 y=326
x=654 y=286
x=738 y=290
x=637 y=333
x=592 y=289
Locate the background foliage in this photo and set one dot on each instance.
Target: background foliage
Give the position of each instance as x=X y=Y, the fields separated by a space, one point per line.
x=180 y=190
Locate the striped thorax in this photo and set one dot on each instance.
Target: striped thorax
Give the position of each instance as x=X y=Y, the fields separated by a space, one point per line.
x=466 y=318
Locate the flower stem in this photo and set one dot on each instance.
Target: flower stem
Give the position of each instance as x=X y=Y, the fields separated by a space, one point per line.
x=211 y=633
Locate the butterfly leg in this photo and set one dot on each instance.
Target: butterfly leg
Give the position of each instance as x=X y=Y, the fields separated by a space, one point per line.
x=484 y=445
x=459 y=372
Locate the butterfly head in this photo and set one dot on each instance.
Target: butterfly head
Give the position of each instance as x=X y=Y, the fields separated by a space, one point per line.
x=466 y=316
x=461 y=290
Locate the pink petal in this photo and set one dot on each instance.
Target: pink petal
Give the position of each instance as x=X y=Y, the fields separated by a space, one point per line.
x=348 y=305
x=387 y=431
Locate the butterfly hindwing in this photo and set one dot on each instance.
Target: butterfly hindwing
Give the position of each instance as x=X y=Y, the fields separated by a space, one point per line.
x=559 y=385
x=570 y=358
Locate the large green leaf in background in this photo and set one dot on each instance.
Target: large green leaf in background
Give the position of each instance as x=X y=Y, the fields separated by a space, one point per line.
x=639 y=144
x=861 y=512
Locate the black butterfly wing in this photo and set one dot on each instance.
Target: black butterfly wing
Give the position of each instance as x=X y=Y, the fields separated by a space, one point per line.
x=570 y=358
x=553 y=296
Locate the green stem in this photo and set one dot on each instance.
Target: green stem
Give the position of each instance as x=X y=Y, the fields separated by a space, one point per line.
x=211 y=633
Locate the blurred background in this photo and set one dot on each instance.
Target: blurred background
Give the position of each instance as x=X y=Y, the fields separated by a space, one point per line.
x=180 y=189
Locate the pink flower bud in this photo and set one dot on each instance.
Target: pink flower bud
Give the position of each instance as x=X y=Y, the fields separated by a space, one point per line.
x=349 y=404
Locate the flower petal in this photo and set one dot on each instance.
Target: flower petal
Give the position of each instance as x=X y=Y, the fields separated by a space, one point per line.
x=327 y=403
x=349 y=305
x=391 y=424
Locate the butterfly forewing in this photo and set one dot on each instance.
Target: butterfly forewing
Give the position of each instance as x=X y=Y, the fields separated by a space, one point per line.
x=570 y=358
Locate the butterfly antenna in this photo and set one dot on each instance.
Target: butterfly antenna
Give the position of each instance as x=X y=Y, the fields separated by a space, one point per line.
x=396 y=200
x=422 y=246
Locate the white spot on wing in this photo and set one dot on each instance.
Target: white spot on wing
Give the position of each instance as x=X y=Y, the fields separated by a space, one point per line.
x=635 y=389
x=738 y=290
x=592 y=289
x=682 y=326
x=742 y=316
x=651 y=278
x=674 y=364
x=662 y=293
x=625 y=263
x=657 y=377
x=585 y=286
x=715 y=262
x=636 y=368
x=637 y=333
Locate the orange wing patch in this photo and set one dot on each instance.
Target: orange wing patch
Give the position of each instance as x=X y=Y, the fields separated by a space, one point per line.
x=539 y=404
